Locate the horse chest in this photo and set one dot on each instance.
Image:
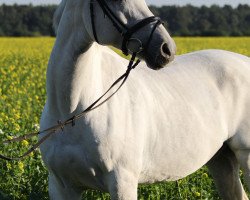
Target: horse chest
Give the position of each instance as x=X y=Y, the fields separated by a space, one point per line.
x=74 y=165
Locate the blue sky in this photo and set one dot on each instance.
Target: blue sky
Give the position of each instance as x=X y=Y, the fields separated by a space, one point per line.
x=155 y=2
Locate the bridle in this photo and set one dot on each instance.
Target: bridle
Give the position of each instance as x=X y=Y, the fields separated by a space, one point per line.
x=127 y=33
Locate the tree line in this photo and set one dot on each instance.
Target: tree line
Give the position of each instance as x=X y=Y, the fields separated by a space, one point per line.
x=29 y=20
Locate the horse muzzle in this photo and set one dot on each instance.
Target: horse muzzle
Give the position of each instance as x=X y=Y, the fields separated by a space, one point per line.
x=159 y=56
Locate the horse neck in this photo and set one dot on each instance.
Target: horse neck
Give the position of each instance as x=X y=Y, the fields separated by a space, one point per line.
x=74 y=76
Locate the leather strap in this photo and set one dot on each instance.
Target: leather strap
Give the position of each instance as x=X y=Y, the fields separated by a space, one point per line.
x=127 y=34
x=136 y=28
x=71 y=121
x=124 y=30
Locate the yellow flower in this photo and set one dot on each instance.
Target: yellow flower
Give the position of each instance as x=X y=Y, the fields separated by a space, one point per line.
x=11 y=120
x=36 y=119
x=9 y=137
x=11 y=68
x=197 y=194
x=25 y=143
x=205 y=175
x=13 y=110
x=17 y=116
x=21 y=166
x=5 y=118
x=8 y=165
x=16 y=127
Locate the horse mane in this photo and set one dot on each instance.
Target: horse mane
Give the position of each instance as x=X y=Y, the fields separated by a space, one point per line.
x=58 y=15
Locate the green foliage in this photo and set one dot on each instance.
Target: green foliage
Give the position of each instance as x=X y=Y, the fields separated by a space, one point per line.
x=28 y=20
x=206 y=21
x=23 y=63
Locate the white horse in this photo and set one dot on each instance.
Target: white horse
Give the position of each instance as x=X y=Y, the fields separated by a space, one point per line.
x=161 y=126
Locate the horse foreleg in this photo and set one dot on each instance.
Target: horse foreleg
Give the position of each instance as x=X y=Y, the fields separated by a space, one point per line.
x=224 y=168
x=59 y=191
x=122 y=185
x=240 y=144
x=243 y=157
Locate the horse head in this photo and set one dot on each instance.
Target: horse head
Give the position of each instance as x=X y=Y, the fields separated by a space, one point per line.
x=128 y=25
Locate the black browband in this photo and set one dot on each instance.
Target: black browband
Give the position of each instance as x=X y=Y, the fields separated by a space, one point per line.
x=126 y=32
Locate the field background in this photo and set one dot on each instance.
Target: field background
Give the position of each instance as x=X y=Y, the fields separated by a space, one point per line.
x=23 y=63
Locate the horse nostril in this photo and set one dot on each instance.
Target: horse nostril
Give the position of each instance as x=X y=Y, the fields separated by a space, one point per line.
x=165 y=50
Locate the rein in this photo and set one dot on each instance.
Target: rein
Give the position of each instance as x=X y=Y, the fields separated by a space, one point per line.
x=71 y=121
x=127 y=34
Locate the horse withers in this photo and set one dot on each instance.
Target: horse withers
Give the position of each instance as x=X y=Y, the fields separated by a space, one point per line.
x=161 y=126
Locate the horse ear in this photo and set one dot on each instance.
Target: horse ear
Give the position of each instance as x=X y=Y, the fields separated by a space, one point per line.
x=58 y=15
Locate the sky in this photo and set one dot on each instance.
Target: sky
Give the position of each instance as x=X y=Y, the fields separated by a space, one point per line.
x=153 y=2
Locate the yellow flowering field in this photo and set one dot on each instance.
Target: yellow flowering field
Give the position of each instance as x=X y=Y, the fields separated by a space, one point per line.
x=236 y=44
x=23 y=63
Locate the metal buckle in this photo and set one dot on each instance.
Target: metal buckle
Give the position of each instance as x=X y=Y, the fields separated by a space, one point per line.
x=136 y=47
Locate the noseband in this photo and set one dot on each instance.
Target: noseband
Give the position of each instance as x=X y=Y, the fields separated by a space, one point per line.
x=125 y=31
